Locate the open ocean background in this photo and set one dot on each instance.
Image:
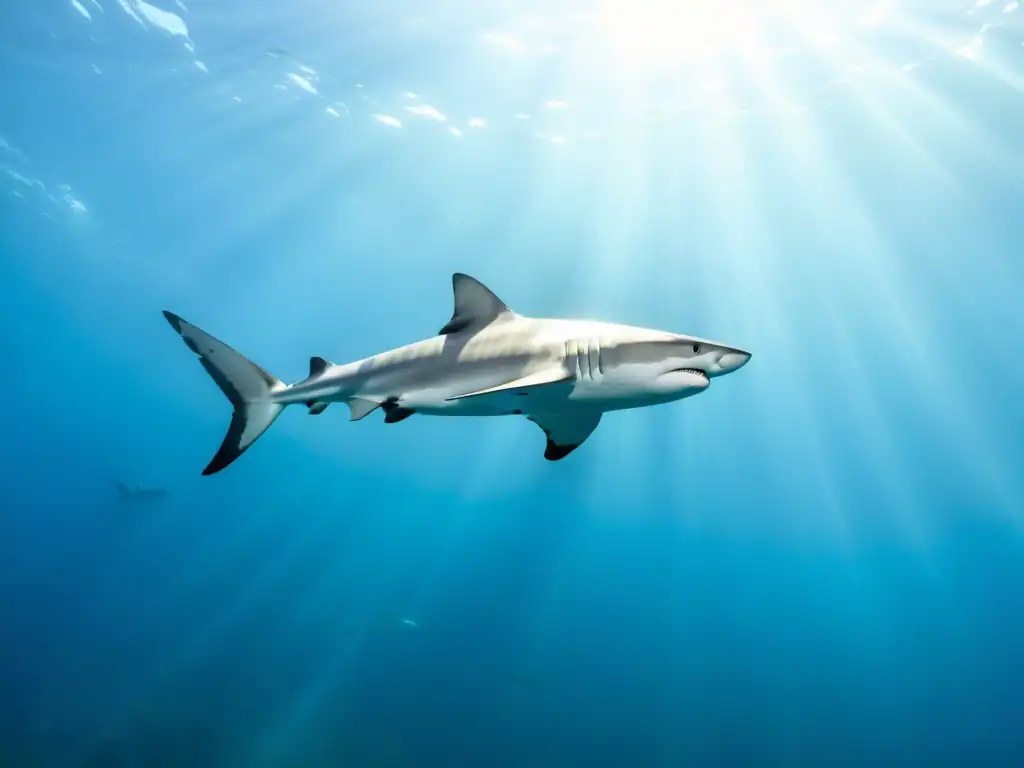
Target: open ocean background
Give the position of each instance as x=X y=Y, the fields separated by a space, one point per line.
x=818 y=561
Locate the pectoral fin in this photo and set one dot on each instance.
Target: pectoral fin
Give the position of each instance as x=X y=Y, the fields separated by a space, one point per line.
x=566 y=430
x=360 y=407
x=553 y=375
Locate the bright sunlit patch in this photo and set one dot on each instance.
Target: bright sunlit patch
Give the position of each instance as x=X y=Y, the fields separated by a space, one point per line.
x=502 y=41
x=660 y=32
x=875 y=16
x=970 y=51
x=650 y=34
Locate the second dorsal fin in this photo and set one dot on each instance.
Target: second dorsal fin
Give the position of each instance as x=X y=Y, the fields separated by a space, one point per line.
x=476 y=306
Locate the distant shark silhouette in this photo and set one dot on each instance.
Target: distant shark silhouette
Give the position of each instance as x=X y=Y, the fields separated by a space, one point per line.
x=137 y=494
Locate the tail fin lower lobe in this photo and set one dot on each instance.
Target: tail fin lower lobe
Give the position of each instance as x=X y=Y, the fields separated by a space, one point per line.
x=249 y=388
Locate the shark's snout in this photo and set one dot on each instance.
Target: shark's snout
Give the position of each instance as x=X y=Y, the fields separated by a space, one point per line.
x=731 y=361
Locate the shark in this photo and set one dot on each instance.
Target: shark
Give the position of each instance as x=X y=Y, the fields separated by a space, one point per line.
x=487 y=360
x=137 y=494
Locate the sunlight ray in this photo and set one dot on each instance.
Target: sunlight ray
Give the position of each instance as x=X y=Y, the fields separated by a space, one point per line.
x=807 y=148
x=201 y=638
x=728 y=186
x=803 y=148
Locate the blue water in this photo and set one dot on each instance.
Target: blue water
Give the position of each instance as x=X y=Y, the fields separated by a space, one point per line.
x=818 y=561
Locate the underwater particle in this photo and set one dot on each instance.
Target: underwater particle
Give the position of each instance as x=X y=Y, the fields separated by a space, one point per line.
x=303 y=83
x=332 y=111
x=410 y=623
x=425 y=110
x=170 y=23
x=127 y=8
x=200 y=66
x=76 y=205
x=388 y=120
x=454 y=131
x=81 y=9
x=476 y=122
x=8 y=148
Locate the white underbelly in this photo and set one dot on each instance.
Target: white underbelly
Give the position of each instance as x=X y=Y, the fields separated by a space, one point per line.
x=437 y=402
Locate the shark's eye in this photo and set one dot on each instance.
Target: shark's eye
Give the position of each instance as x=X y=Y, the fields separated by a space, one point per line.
x=696 y=349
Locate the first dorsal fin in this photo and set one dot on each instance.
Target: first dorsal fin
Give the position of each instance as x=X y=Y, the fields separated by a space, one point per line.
x=476 y=306
x=317 y=365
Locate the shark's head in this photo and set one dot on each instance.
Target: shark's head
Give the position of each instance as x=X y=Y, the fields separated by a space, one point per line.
x=689 y=364
x=677 y=366
x=645 y=367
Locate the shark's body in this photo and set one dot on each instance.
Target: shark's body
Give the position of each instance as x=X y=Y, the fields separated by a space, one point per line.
x=486 y=361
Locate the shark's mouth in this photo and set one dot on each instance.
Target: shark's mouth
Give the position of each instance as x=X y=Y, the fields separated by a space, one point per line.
x=695 y=371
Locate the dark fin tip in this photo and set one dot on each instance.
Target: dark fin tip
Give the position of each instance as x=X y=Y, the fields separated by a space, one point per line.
x=174 y=320
x=229 y=450
x=554 y=452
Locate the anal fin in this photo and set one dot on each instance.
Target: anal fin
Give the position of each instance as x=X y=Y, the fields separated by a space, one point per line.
x=553 y=375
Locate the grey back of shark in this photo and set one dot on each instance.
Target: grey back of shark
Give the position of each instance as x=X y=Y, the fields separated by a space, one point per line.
x=486 y=361
x=138 y=495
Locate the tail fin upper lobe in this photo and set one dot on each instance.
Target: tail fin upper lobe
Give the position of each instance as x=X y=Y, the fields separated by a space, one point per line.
x=249 y=388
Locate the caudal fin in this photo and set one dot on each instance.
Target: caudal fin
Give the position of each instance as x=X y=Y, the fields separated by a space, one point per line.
x=249 y=388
